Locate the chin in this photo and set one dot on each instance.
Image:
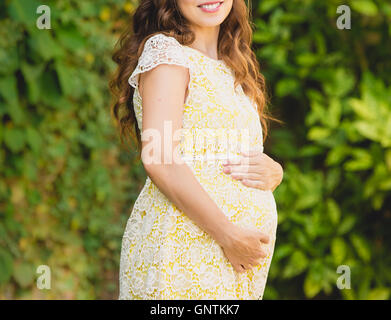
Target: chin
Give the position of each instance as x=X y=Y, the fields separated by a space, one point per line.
x=209 y=16
x=210 y=23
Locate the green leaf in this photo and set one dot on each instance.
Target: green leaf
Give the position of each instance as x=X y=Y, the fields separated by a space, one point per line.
x=34 y=139
x=333 y=211
x=9 y=59
x=297 y=263
x=32 y=74
x=52 y=96
x=339 y=84
x=307 y=200
x=387 y=157
x=318 y=133
x=24 y=274
x=70 y=38
x=267 y=5
x=368 y=130
x=365 y=7
x=66 y=78
x=337 y=155
x=16 y=113
x=385 y=185
x=334 y=114
x=338 y=250
x=24 y=11
x=8 y=89
x=282 y=251
x=362 y=160
x=310 y=151
x=362 y=109
x=312 y=285
x=69 y=80
x=43 y=43
x=262 y=36
x=14 y=139
x=286 y=87
x=6 y=266
x=361 y=246
x=347 y=224
x=379 y=294
x=307 y=59
x=333 y=178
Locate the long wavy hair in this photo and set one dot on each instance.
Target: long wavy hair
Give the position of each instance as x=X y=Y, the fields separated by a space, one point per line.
x=163 y=16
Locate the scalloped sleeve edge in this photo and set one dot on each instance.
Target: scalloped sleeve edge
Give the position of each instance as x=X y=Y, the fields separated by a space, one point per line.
x=158 y=50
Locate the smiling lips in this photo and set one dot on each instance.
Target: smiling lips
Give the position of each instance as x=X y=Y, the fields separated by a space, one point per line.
x=211 y=7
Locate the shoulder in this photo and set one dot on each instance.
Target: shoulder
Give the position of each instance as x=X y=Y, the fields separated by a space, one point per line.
x=159 y=49
x=164 y=48
x=160 y=41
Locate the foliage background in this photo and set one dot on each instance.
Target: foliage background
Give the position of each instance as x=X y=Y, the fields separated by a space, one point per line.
x=67 y=187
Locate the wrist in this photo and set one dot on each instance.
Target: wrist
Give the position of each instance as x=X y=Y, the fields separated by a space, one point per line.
x=224 y=233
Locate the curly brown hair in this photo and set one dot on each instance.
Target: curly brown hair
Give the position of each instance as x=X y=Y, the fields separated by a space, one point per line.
x=163 y=16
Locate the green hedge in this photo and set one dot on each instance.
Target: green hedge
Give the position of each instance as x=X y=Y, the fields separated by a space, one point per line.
x=332 y=89
x=66 y=186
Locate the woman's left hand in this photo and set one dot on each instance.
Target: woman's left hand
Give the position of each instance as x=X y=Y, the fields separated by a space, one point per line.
x=255 y=169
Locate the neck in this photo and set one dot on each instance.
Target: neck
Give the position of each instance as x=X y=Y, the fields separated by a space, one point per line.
x=206 y=40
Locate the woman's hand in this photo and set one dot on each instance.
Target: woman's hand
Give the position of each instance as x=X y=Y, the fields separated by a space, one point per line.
x=243 y=247
x=255 y=169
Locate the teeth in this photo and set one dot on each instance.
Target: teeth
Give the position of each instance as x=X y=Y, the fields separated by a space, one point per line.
x=210 y=6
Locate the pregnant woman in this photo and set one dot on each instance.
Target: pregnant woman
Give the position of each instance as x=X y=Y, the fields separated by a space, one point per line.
x=204 y=224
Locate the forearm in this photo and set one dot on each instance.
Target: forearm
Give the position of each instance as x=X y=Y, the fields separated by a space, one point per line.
x=178 y=183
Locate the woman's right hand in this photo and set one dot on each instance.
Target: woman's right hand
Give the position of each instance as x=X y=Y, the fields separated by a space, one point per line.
x=243 y=247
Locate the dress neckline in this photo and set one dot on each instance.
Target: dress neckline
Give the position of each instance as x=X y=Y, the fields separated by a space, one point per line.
x=203 y=54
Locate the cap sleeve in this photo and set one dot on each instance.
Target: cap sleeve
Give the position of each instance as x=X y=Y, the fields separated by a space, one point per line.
x=158 y=49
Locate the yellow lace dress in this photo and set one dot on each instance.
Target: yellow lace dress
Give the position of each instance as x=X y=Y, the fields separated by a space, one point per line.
x=164 y=254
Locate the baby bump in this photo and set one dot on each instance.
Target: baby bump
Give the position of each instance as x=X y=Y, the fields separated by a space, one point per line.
x=243 y=205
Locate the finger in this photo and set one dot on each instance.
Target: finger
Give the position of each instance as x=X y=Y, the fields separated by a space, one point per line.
x=254 y=184
x=254 y=168
x=257 y=262
x=238 y=268
x=232 y=160
x=240 y=168
x=249 y=176
x=244 y=160
x=248 y=266
x=244 y=168
x=262 y=254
